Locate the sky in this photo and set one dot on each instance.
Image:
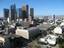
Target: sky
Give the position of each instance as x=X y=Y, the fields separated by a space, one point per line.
x=41 y=7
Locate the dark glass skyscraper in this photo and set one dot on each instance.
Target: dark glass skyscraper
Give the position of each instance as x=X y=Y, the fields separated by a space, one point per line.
x=13 y=12
x=32 y=12
x=20 y=13
x=54 y=18
x=6 y=13
x=25 y=10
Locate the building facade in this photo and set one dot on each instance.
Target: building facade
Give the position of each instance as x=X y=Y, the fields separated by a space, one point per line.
x=13 y=12
x=6 y=13
x=54 y=18
x=32 y=13
x=20 y=13
x=25 y=12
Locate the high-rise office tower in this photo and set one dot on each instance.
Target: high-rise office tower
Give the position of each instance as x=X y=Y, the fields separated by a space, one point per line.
x=32 y=12
x=13 y=12
x=6 y=13
x=25 y=12
x=54 y=18
x=20 y=13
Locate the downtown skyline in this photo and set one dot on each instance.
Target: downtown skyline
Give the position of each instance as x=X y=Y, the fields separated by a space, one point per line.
x=41 y=7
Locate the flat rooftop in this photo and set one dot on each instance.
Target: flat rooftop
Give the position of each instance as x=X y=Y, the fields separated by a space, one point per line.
x=44 y=26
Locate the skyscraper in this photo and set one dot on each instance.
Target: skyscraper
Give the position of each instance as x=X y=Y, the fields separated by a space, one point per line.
x=32 y=12
x=13 y=12
x=6 y=13
x=20 y=12
x=54 y=18
x=25 y=12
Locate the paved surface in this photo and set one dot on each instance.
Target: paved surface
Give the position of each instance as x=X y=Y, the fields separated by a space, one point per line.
x=45 y=46
x=57 y=46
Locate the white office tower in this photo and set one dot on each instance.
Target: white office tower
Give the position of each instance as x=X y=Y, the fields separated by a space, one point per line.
x=8 y=20
x=57 y=30
x=30 y=19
